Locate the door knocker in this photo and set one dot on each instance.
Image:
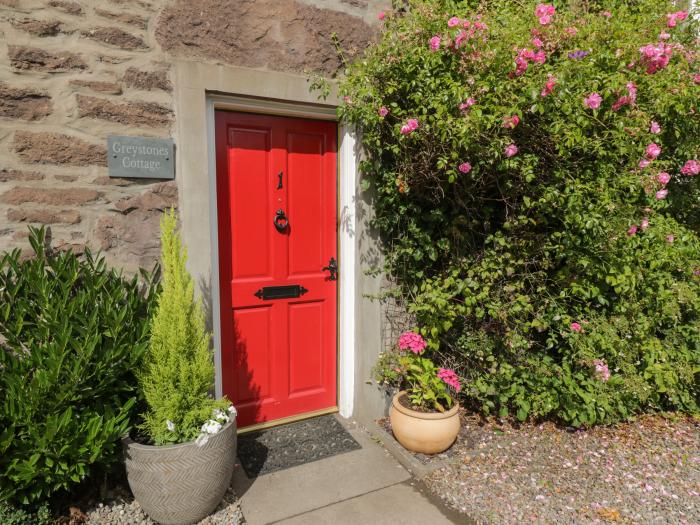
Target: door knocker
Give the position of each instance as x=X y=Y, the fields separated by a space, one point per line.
x=280 y=221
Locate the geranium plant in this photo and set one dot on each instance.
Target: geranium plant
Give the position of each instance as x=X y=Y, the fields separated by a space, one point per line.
x=405 y=367
x=535 y=165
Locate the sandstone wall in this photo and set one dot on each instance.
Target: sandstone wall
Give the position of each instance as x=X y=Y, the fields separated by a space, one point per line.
x=73 y=72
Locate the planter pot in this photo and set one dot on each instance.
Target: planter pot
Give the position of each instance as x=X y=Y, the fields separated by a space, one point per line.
x=181 y=484
x=424 y=432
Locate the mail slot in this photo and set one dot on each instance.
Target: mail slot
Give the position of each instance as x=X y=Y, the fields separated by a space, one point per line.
x=280 y=292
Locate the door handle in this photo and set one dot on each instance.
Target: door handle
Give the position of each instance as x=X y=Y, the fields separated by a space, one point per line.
x=280 y=221
x=333 y=268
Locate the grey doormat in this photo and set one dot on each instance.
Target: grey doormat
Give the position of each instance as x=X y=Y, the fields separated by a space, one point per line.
x=293 y=444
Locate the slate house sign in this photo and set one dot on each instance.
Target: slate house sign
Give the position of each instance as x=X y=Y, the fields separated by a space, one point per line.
x=139 y=157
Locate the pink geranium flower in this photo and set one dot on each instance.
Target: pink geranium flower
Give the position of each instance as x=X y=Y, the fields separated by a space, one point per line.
x=511 y=150
x=410 y=126
x=654 y=128
x=511 y=122
x=661 y=194
x=601 y=369
x=435 y=43
x=664 y=178
x=413 y=342
x=593 y=100
x=575 y=327
x=450 y=378
x=653 y=151
x=691 y=168
x=549 y=86
x=453 y=22
x=383 y=112
x=465 y=167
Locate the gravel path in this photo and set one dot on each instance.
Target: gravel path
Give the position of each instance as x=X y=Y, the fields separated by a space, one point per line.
x=643 y=472
x=125 y=511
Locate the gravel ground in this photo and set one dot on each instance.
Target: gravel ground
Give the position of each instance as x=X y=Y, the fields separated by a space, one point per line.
x=123 y=510
x=643 y=472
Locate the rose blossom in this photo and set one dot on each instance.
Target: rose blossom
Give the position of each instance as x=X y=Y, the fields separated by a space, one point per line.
x=644 y=224
x=644 y=163
x=511 y=122
x=606 y=14
x=537 y=42
x=549 y=86
x=575 y=327
x=674 y=17
x=544 y=13
x=601 y=370
x=593 y=100
x=653 y=151
x=381 y=15
x=452 y=22
x=670 y=238
x=632 y=230
x=691 y=168
x=410 y=126
x=661 y=194
x=511 y=150
x=465 y=167
x=664 y=36
x=467 y=103
x=663 y=178
x=383 y=112
x=413 y=342
x=654 y=128
x=435 y=43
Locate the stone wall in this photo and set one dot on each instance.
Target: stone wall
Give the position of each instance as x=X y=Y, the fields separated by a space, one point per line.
x=73 y=72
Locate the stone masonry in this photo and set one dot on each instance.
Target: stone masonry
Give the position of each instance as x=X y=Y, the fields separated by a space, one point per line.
x=73 y=72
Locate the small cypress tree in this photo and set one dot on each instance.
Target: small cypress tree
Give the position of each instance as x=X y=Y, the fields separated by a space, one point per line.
x=178 y=371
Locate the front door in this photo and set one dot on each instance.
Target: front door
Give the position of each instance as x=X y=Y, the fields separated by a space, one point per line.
x=276 y=198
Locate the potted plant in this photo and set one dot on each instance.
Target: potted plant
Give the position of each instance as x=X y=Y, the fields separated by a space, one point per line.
x=180 y=462
x=424 y=414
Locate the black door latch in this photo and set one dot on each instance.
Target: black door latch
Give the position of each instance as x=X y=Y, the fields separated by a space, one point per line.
x=333 y=268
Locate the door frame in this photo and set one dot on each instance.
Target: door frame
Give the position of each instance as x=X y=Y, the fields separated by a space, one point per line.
x=346 y=178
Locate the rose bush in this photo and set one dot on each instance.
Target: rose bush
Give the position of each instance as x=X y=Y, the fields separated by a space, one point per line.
x=534 y=171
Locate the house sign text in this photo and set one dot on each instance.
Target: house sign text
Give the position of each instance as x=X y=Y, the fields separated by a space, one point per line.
x=140 y=157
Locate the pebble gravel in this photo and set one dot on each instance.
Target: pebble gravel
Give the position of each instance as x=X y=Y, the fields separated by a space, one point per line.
x=123 y=510
x=641 y=472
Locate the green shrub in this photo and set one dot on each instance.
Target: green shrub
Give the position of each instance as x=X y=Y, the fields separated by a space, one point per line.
x=72 y=332
x=16 y=516
x=178 y=372
x=534 y=235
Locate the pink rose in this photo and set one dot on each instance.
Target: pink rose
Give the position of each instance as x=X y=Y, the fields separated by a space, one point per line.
x=593 y=100
x=511 y=150
x=670 y=238
x=435 y=43
x=663 y=178
x=644 y=224
x=452 y=22
x=571 y=31
x=549 y=86
x=410 y=126
x=575 y=327
x=606 y=14
x=664 y=36
x=465 y=167
x=691 y=168
x=381 y=15
x=653 y=151
x=661 y=194
x=467 y=103
x=674 y=17
x=413 y=342
x=654 y=128
x=511 y=122
x=383 y=112
x=696 y=78
x=537 y=42
x=644 y=163
x=632 y=230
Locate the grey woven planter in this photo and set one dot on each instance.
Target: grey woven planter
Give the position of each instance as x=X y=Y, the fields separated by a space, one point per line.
x=181 y=484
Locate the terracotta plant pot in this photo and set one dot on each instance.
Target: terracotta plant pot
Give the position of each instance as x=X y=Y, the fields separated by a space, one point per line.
x=181 y=484
x=424 y=432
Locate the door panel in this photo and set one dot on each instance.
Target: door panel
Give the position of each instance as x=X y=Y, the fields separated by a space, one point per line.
x=278 y=355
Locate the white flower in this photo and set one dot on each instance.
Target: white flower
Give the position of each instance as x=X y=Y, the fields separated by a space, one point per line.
x=170 y=425
x=233 y=411
x=211 y=427
x=219 y=415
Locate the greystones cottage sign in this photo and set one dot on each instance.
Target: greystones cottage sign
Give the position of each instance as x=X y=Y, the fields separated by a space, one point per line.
x=139 y=157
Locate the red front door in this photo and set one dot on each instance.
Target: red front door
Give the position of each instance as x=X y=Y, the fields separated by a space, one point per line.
x=276 y=197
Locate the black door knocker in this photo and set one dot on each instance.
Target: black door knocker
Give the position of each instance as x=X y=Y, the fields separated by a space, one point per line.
x=333 y=268
x=280 y=221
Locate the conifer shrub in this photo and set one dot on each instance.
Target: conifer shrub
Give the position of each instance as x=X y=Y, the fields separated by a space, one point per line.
x=72 y=334
x=178 y=370
x=534 y=169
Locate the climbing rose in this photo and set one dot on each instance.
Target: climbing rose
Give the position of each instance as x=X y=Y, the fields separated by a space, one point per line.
x=452 y=22
x=549 y=86
x=383 y=112
x=413 y=342
x=593 y=100
x=632 y=230
x=435 y=43
x=511 y=122
x=537 y=42
x=511 y=150
x=655 y=128
x=664 y=36
x=674 y=17
x=381 y=15
x=467 y=103
x=656 y=57
x=644 y=163
x=601 y=369
x=691 y=168
x=544 y=13
x=449 y=377
x=606 y=14
x=644 y=224
x=653 y=150
x=465 y=167
x=670 y=238
x=663 y=178
x=575 y=327
x=410 y=126
x=661 y=194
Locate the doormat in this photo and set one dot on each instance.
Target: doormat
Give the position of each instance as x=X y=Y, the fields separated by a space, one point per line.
x=293 y=444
